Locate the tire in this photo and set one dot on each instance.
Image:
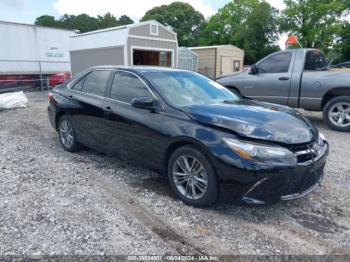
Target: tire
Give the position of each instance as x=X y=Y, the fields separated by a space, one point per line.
x=185 y=183
x=234 y=91
x=336 y=108
x=67 y=135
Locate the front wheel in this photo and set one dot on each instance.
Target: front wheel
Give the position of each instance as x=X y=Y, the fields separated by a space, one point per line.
x=336 y=113
x=192 y=177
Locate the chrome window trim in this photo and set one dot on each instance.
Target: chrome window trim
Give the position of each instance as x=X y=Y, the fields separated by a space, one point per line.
x=119 y=101
x=71 y=84
x=143 y=82
x=84 y=75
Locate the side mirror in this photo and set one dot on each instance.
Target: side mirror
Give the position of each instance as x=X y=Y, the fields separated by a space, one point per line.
x=254 y=70
x=143 y=102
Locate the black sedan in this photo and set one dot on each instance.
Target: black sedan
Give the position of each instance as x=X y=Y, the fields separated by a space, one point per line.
x=192 y=130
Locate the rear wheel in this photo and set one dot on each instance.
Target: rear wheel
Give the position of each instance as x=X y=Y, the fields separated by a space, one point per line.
x=67 y=134
x=336 y=113
x=192 y=177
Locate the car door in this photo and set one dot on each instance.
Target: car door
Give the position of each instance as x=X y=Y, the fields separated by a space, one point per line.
x=272 y=80
x=134 y=134
x=88 y=116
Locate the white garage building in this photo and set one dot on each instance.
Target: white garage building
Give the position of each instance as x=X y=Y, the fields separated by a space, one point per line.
x=145 y=43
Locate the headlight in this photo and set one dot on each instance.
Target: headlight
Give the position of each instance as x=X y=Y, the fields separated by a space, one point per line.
x=321 y=138
x=261 y=153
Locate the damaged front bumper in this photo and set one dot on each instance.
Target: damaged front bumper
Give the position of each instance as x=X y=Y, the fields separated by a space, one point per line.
x=292 y=185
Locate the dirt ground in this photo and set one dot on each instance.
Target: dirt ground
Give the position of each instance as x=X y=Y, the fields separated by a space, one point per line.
x=56 y=202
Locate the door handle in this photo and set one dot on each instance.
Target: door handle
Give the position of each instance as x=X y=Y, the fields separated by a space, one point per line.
x=283 y=78
x=108 y=109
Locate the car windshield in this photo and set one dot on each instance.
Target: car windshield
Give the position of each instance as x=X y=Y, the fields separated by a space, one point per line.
x=185 y=88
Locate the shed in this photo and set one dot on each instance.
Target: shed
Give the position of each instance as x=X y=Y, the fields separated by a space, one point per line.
x=145 y=43
x=187 y=59
x=218 y=60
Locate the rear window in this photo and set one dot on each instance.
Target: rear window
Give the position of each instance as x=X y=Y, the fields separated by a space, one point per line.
x=78 y=86
x=95 y=83
x=315 y=60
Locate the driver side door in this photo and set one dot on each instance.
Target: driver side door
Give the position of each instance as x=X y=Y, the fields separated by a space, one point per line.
x=133 y=134
x=272 y=81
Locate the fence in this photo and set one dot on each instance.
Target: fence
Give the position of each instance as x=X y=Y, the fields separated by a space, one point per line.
x=30 y=74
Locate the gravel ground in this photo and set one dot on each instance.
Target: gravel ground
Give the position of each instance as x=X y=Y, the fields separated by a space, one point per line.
x=56 y=202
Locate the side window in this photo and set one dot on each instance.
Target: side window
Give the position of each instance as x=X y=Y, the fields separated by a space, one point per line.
x=127 y=86
x=95 y=83
x=278 y=63
x=77 y=86
x=314 y=60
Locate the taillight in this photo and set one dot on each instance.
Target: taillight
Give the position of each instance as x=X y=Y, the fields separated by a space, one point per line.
x=50 y=96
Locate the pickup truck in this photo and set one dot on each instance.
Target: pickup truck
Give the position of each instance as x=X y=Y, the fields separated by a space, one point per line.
x=298 y=78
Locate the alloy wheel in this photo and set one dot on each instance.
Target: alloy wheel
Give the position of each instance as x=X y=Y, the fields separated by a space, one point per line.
x=190 y=177
x=66 y=133
x=339 y=114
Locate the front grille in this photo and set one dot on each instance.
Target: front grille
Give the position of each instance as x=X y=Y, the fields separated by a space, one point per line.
x=302 y=181
x=304 y=152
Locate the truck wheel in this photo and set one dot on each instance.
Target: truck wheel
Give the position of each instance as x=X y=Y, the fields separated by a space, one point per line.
x=336 y=113
x=234 y=91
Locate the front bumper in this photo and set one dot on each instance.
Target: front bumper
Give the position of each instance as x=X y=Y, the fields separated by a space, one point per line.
x=288 y=184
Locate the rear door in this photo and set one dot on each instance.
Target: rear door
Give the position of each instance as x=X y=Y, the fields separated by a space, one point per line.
x=273 y=80
x=131 y=132
x=312 y=91
x=89 y=92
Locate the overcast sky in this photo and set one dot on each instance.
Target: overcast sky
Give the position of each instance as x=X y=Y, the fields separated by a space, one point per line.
x=25 y=11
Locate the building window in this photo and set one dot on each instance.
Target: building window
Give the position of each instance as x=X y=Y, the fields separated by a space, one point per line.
x=186 y=63
x=165 y=59
x=236 y=65
x=153 y=29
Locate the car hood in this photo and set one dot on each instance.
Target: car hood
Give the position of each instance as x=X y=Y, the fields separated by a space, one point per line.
x=256 y=120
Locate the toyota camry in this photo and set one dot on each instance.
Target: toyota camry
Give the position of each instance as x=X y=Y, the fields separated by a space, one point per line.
x=191 y=129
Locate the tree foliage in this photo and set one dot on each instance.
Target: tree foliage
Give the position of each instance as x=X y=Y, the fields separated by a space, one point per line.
x=317 y=24
x=180 y=17
x=253 y=25
x=83 y=22
x=342 y=46
x=247 y=24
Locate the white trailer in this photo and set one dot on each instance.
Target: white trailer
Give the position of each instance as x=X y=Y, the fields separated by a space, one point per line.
x=32 y=51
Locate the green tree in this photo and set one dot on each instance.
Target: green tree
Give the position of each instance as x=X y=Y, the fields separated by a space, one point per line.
x=125 y=20
x=316 y=23
x=107 y=20
x=182 y=18
x=342 y=46
x=248 y=24
x=46 y=20
x=83 y=22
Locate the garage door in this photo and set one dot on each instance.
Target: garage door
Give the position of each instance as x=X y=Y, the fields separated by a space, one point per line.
x=155 y=58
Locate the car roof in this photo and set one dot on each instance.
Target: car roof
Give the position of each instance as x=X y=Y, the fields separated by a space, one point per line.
x=140 y=69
